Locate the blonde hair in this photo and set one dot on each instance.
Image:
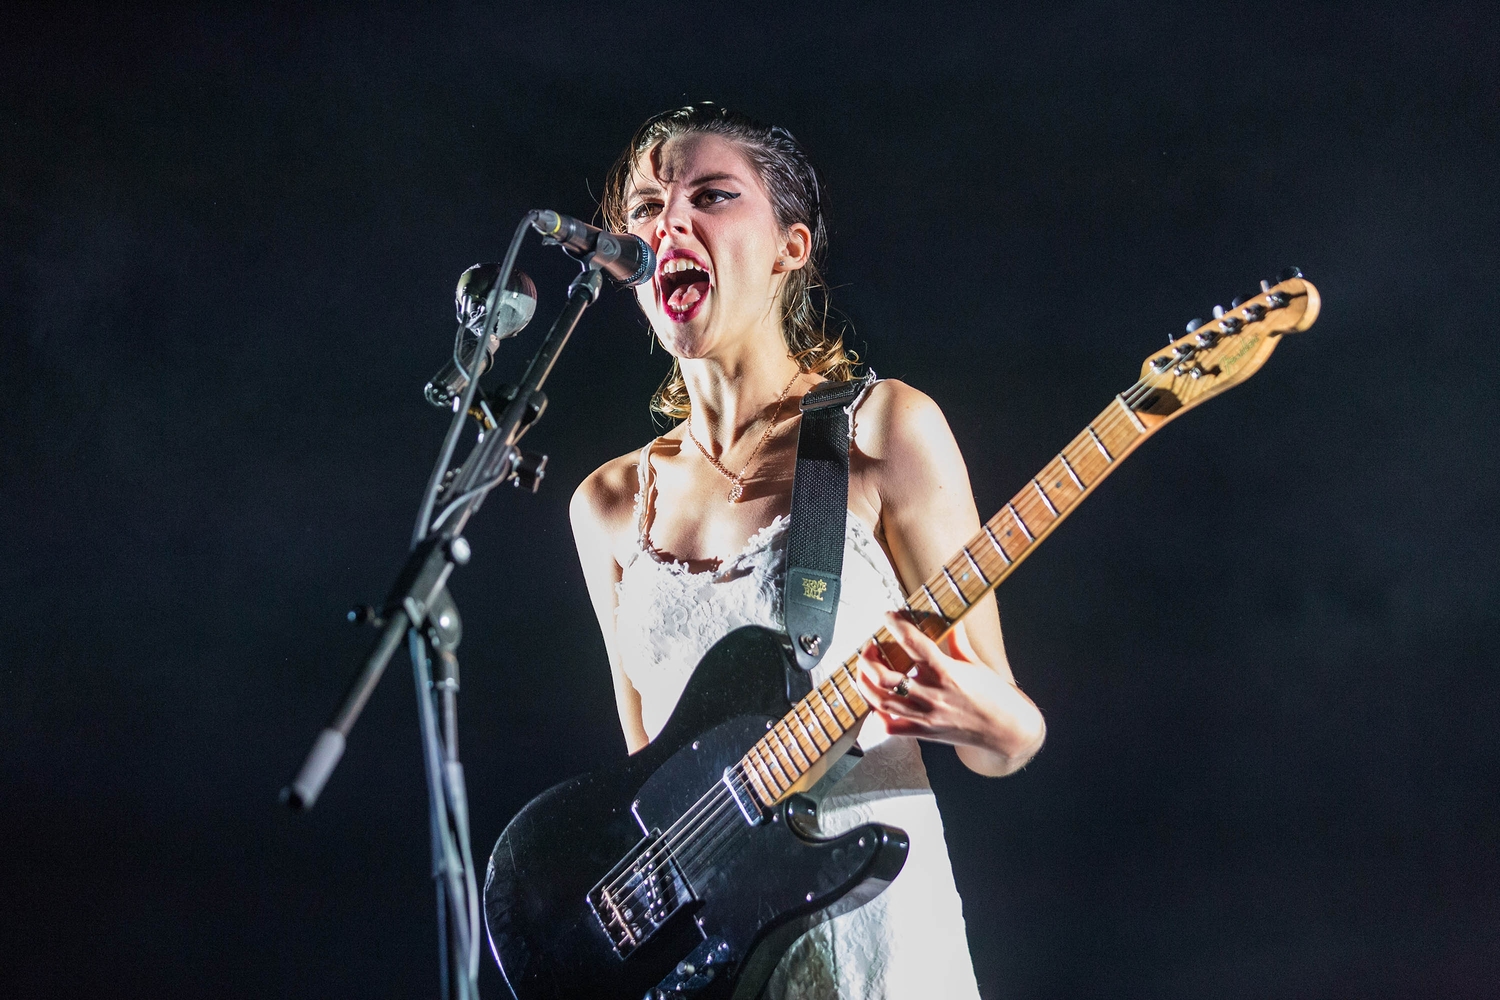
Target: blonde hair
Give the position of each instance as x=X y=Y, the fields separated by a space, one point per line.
x=791 y=181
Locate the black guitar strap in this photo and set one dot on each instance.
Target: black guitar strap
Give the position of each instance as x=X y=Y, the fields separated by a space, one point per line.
x=820 y=504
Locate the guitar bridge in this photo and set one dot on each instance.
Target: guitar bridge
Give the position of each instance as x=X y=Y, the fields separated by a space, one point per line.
x=640 y=894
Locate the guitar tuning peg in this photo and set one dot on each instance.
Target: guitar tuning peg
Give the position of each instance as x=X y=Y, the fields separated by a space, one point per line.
x=1193 y=324
x=1289 y=274
x=1265 y=286
x=1239 y=300
x=1218 y=312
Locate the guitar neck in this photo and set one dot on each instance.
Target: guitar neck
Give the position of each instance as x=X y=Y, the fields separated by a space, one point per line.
x=798 y=749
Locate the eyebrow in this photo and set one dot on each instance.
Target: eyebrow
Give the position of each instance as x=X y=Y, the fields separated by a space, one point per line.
x=652 y=189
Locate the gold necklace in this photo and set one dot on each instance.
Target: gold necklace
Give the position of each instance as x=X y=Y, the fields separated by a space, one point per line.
x=737 y=483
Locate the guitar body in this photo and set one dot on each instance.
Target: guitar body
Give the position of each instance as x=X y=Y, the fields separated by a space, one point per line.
x=751 y=891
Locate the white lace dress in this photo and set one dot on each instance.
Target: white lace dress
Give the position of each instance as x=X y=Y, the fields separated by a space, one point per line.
x=908 y=943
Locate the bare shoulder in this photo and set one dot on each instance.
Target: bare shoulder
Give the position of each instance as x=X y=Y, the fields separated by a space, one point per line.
x=895 y=419
x=604 y=503
x=905 y=460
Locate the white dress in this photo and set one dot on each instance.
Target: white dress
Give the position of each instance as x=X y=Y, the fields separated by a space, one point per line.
x=908 y=943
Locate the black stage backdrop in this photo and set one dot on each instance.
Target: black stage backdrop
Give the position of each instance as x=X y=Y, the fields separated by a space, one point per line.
x=1265 y=649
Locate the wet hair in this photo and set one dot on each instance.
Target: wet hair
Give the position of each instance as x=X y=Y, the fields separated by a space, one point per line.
x=814 y=339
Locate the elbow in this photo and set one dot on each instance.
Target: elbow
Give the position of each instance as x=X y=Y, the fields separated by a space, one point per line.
x=1011 y=746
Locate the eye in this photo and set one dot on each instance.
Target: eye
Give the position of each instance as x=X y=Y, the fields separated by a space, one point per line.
x=713 y=196
x=644 y=211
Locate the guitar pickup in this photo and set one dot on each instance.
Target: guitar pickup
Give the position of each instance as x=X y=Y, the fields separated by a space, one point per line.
x=743 y=797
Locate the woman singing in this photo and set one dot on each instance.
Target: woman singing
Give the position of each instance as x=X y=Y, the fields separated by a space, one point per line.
x=684 y=541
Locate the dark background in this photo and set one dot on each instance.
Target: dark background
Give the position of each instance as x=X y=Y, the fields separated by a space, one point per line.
x=1265 y=649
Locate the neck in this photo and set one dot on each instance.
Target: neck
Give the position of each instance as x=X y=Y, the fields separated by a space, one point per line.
x=732 y=391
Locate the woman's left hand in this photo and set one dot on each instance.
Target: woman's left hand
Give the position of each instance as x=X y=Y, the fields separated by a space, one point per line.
x=950 y=696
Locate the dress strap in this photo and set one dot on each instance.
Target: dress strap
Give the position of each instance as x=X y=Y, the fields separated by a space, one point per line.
x=870 y=381
x=644 y=487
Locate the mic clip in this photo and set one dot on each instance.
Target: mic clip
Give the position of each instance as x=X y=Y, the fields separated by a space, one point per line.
x=485 y=405
x=504 y=394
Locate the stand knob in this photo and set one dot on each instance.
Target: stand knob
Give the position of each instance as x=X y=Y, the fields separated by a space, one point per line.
x=531 y=468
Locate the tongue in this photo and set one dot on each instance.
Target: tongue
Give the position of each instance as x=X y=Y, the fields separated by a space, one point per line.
x=687 y=296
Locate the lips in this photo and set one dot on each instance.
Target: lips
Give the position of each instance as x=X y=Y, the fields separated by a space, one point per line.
x=683 y=281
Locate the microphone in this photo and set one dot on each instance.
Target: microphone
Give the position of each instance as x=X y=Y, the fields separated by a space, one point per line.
x=625 y=258
x=513 y=307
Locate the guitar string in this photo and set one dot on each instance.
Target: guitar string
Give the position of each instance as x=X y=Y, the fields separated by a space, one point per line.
x=669 y=841
x=693 y=856
x=660 y=855
x=667 y=848
x=676 y=848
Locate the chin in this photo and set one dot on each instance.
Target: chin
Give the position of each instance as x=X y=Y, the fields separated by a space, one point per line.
x=682 y=339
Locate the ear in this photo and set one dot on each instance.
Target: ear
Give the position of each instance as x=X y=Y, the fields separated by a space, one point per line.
x=795 y=250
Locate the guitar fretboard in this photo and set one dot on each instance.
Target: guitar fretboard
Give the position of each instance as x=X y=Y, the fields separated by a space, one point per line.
x=789 y=755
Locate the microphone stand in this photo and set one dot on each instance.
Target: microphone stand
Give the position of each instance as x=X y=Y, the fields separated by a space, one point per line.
x=421 y=610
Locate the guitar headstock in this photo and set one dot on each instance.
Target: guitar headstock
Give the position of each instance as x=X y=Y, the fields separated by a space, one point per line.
x=1222 y=352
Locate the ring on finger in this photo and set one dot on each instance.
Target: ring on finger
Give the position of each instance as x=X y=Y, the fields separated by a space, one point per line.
x=902 y=689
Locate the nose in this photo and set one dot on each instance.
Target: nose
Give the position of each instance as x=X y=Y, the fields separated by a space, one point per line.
x=674 y=219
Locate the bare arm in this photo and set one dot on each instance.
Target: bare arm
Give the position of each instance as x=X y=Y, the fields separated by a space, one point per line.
x=963 y=693
x=596 y=513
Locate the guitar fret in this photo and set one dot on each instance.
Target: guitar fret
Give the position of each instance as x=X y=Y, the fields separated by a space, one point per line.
x=850 y=693
x=812 y=725
x=1016 y=516
x=1043 y=494
x=833 y=708
x=1130 y=413
x=780 y=762
x=932 y=599
x=974 y=563
x=954 y=584
x=998 y=547
x=1073 y=475
x=1100 y=444
x=762 y=760
x=783 y=756
x=836 y=705
x=787 y=737
x=759 y=757
x=802 y=742
x=756 y=785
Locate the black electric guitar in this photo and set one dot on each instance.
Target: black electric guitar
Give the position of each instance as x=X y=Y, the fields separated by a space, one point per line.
x=690 y=867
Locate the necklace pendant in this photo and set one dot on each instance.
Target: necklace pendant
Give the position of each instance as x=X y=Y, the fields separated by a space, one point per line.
x=736 y=491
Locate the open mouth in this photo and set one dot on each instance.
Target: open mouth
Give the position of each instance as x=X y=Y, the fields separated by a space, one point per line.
x=683 y=282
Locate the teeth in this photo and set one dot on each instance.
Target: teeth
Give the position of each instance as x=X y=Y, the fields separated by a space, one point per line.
x=679 y=264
